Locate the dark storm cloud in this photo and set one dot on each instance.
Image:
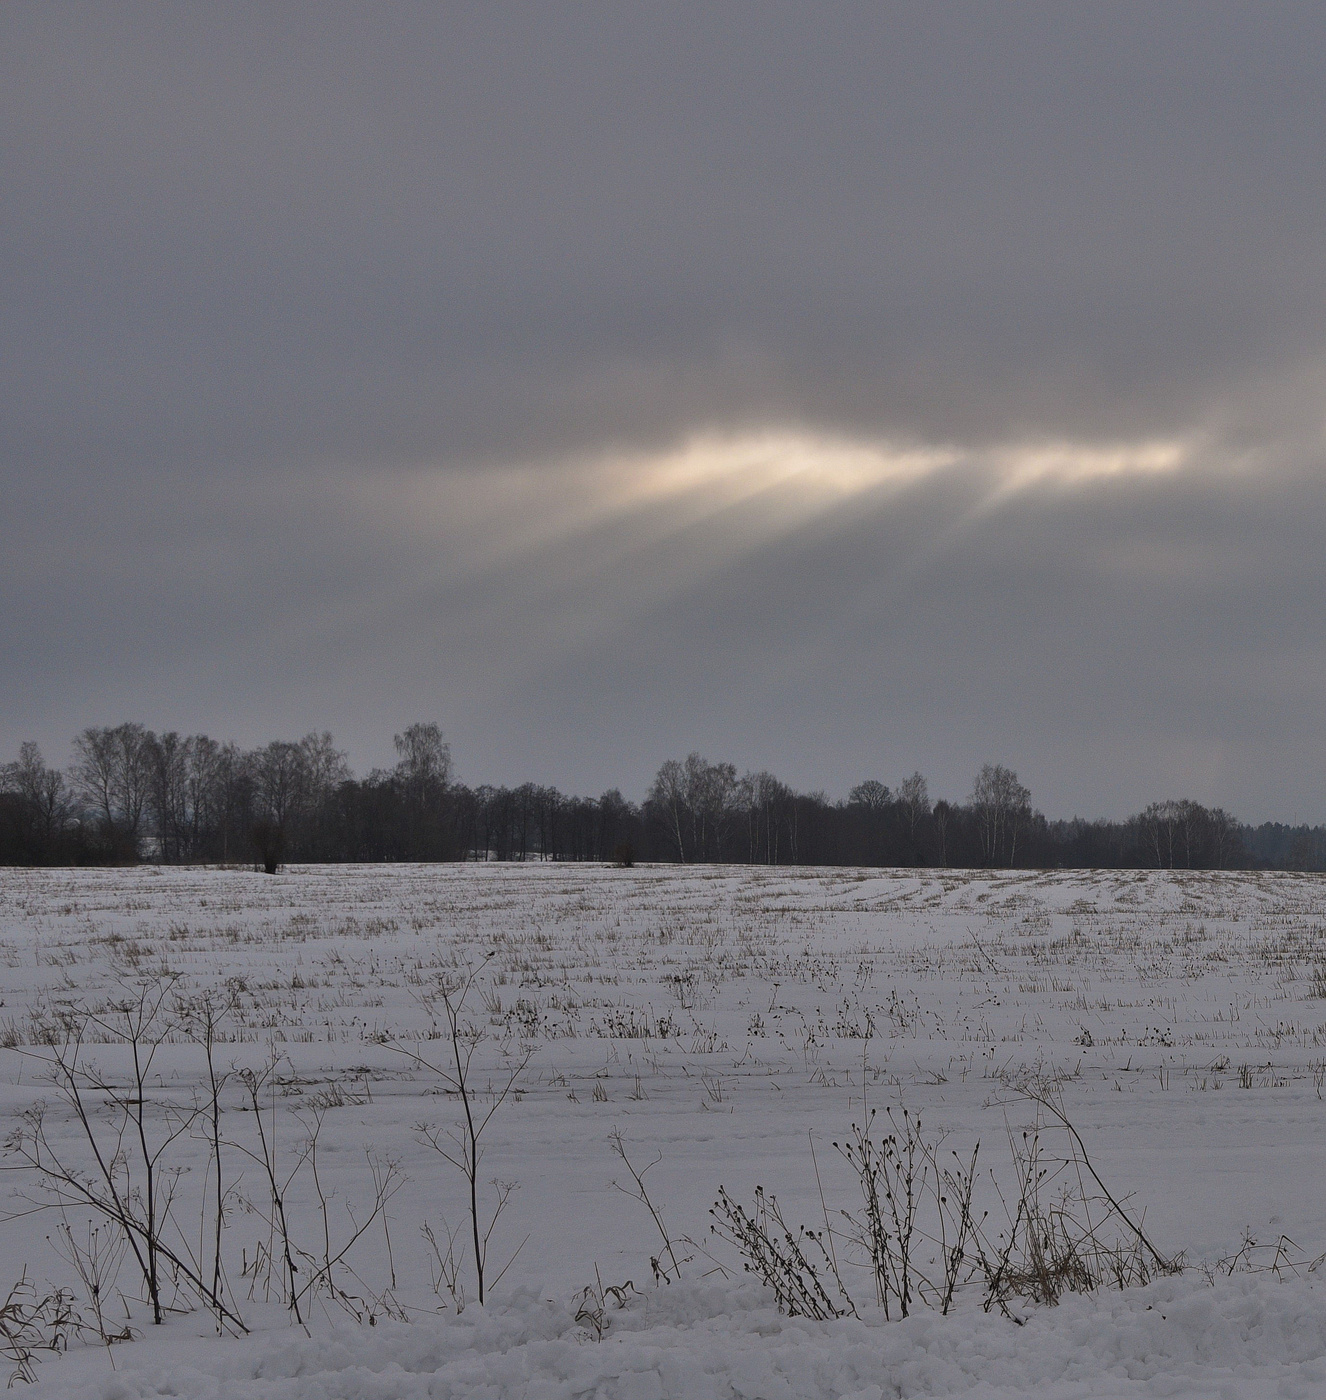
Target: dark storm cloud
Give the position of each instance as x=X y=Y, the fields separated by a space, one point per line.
x=486 y=230
x=308 y=311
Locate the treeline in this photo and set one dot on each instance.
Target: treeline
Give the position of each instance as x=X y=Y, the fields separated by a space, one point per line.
x=133 y=795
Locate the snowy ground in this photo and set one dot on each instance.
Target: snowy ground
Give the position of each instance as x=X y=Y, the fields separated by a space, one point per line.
x=720 y=1020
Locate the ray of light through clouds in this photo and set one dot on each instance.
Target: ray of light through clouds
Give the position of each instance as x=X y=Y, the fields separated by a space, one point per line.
x=758 y=487
x=837 y=392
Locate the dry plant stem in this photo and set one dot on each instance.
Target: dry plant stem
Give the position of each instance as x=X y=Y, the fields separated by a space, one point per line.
x=1049 y=1102
x=447 y=1272
x=464 y=1152
x=593 y=1302
x=387 y=1180
x=894 y=1174
x=953 y=1192
x=320 y=1273
x=379 y=1170
x=1286 y=1259
x=819 y=1185
x=205 y=1017
x=997 y=1263
x=119 y=1141
x=1057 y=1247
x=266 y=1159
x=673 y=1268
x=515 y=1254
x=137 y=1105
x=96 y=1262
x=774 y=1254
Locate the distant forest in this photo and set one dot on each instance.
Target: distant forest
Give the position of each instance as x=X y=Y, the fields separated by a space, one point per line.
x=131 y=795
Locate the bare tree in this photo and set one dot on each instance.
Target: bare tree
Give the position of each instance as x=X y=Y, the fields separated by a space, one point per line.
x=940 y=815
x=765 y=801
x=167 y=757
x=203 y=802
x=874 y=800
x=234 y=788
x=1182 y=833
x=324 y=767
x=1224 y=844
x=698 y=802
x=281 y=773
x=873 y=795
x=112 y=769
x=712 y=791
x=94 y=771
x=42 y=788
x=669 y=797
x=612 y=813
x=423 y=760
x=914 y=801
x=268 y=841
x=1002 y=807
x=1157 y=825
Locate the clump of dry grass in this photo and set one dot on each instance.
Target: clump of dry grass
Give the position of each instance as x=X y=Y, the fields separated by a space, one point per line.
x=921 y=1239
x=33 y=1321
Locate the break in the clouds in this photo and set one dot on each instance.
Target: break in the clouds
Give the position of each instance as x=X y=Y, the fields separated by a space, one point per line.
x=836 y=389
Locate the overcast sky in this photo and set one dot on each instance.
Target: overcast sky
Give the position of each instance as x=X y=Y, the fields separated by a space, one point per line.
x=834 y=389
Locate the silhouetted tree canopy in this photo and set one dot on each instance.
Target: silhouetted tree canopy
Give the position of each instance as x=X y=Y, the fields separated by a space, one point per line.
x=133 y=795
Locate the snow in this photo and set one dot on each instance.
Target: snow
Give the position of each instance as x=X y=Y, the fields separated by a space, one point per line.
x=721 y=1019
x=1181 y=1337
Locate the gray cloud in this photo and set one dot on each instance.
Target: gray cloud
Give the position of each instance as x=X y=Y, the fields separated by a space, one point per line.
x=315 y=318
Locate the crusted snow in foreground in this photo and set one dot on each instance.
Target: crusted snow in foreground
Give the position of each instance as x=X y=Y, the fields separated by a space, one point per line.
x=719 y=1018
x=1244 y=1338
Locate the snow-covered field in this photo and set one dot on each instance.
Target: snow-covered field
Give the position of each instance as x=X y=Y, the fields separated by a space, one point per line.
x=724 y=1022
